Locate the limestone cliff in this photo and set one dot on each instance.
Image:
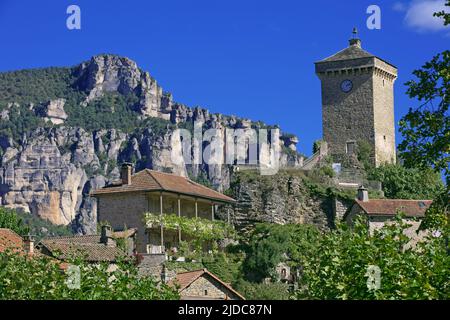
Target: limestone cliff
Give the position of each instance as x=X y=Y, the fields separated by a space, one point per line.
x=63 y=132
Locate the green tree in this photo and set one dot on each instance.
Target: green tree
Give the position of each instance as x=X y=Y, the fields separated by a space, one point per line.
x=444 y=15
x=25 y=278
x=263 y=291
x=271 y=244
x=339 y=267
x=10 y=220
x=407 y=183
x=426 y=129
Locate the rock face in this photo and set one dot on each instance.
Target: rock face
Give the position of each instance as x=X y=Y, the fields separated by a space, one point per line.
x=53 y=111
x=49 y=171
x=282 y=199
x=109 y=73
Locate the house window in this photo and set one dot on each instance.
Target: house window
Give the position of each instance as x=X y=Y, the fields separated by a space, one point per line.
x=206 y=292
x=350 y=147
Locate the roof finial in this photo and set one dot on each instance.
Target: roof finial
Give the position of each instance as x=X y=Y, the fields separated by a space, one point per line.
x=355 y=41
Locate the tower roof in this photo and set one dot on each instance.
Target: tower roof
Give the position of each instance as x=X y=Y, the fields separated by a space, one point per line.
x=353 y=51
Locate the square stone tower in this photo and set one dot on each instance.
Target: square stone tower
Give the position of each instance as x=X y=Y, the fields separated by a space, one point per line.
x=358 y=102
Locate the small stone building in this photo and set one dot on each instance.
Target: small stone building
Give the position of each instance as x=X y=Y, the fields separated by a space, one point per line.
x=203 y=285
x=91 y=248
x=382 y=211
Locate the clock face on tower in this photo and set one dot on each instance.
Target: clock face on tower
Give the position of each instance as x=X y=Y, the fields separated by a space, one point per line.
x=346 y=86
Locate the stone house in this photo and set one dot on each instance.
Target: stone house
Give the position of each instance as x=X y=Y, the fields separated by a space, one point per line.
x=10 y=240
x=382 y=211
x=14 y=243
x=203 y=285
x=124 y=203
x=91 y=248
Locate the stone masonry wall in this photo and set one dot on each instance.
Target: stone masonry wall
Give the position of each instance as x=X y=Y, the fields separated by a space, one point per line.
x=122 y=210
x=383 y=88
x=205 y=288
x=347 y=117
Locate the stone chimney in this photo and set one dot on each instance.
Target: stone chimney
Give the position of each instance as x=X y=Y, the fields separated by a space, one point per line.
x=125 y=173
x=363 y=194
x=106 y=236
x=28 y=244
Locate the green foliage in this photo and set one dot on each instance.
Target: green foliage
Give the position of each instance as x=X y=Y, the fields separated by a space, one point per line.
x=444 y=15
x=24 y=278
x=263 y=291
x=36 y=86
x=227 y=266
x=402 y=183
x=199 y=228
x=10 y=220
x=365 y=153
x=436 y=217
x=316 y=146
x=25 y=223
x=271 y=244
x=337 y=268
x=426 y=129
x=327 y=171
x=111 y=111
x=21 y=120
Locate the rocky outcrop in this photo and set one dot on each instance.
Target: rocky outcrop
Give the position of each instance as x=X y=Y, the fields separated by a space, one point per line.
x=110 y=73
x=283 y=198
x=53 y=111
x=49 y=171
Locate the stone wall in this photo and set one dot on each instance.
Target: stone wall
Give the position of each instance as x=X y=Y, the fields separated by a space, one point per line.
x=383 y=88
x=340 y=208
x=125 y=210
x=206 y=287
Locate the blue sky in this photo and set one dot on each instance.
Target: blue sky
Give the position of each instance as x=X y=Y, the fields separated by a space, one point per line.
x=251 y=58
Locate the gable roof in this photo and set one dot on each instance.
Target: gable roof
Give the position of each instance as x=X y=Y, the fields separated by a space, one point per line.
x=10 y=240
x=185 y=279
x=150 y=180
x=389 y=207
x=86 y=247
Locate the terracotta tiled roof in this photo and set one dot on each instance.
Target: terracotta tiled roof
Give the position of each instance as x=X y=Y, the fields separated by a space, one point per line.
x=185 y=279
x=10 y=240
x=87 y=247
x=150 y=180
x=390 y=207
